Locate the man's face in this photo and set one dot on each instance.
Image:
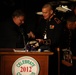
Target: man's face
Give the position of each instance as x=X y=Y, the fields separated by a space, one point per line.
x=71 y=25
x=47 y=12
x=19 y=20
x=75 y=11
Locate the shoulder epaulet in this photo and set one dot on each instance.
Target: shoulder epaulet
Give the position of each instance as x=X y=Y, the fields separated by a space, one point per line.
x=57 y=20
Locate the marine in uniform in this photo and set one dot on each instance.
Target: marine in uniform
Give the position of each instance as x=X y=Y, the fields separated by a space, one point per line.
x=50 y=28
x=49 y=25
x=69 y=43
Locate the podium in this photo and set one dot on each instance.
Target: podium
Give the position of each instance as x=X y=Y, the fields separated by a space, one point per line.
x=8 y=57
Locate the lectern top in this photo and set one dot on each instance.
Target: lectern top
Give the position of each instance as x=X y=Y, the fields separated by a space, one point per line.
x=11 y=51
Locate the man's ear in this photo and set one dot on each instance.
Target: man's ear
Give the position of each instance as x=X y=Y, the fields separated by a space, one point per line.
x=51 y=11
x=15 y=17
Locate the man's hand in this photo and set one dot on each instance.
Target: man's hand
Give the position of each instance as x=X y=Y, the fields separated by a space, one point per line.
x=31 y=35
x=40 y=40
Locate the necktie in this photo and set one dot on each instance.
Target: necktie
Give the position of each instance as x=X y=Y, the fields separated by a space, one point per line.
x=22 y=32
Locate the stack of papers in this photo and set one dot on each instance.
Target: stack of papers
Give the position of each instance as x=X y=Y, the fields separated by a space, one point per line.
x=20 y=50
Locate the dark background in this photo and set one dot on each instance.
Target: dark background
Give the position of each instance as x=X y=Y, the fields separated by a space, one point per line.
x=30 y=7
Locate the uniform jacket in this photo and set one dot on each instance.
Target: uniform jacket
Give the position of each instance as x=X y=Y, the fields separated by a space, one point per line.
x=53 y=28
x=69 y=40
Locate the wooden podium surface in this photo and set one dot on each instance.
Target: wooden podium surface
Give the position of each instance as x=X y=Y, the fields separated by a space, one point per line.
x=8 y=57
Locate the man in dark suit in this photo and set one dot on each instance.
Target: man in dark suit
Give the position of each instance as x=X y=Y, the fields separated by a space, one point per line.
x=11 y=35
x=11 y=32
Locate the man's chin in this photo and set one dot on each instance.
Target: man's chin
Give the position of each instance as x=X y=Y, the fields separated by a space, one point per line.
x=45 y=18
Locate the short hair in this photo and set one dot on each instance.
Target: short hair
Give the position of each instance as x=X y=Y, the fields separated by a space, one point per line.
x=47 y=5
x=18 y=13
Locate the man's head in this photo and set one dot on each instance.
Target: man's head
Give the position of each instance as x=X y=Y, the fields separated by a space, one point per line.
x=47 y=11
x=18 y=17
x=75 y=10
x=71 y=22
